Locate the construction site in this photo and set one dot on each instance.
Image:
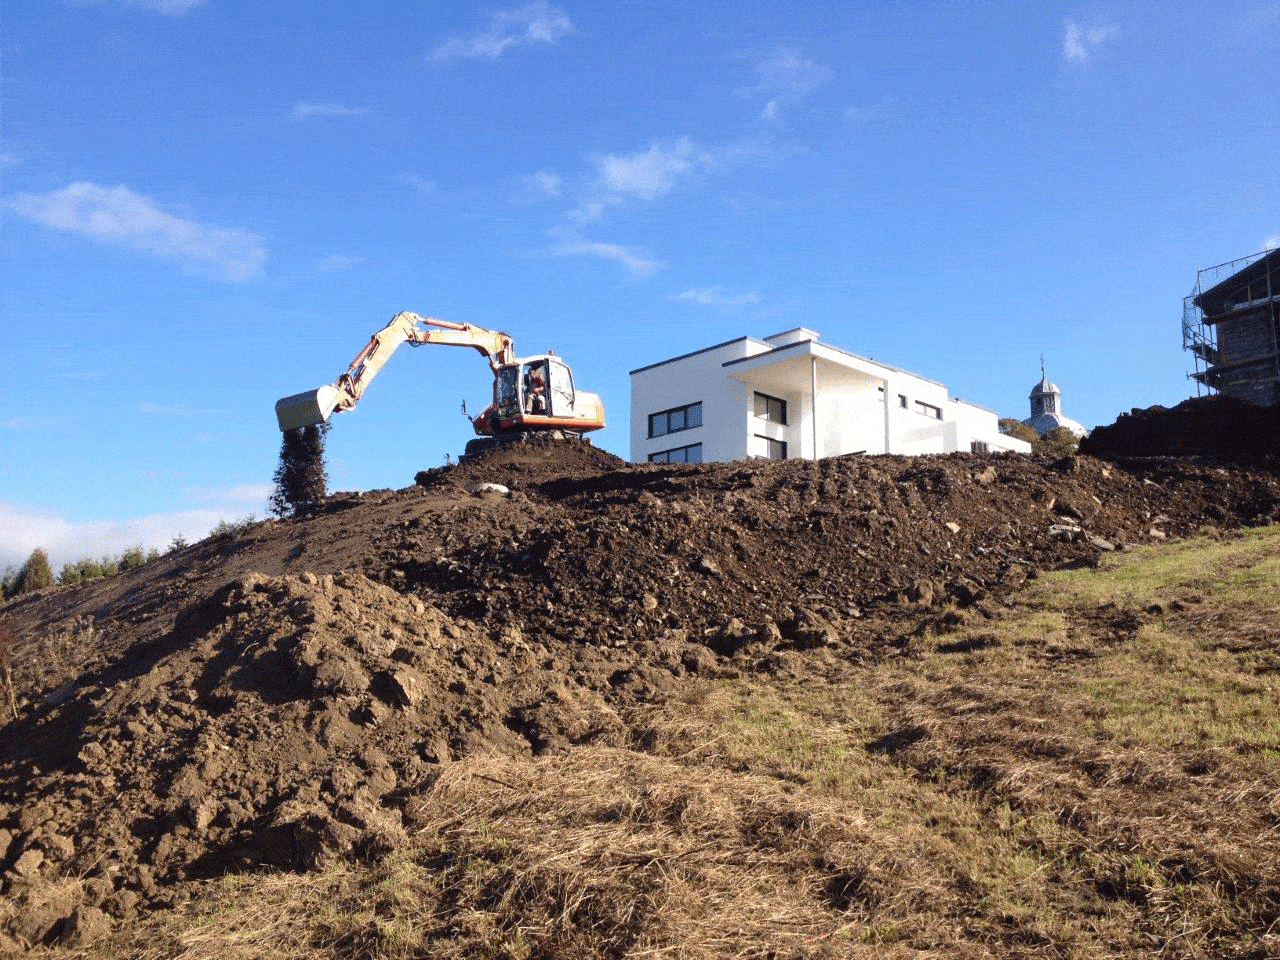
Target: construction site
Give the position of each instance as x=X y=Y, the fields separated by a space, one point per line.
x=544 y=703
x=1231 y=326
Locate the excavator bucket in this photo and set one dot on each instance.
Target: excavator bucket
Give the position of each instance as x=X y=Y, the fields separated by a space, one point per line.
x=307 y=409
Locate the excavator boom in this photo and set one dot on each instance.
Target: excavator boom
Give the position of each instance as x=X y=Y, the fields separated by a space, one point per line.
x=316 y=406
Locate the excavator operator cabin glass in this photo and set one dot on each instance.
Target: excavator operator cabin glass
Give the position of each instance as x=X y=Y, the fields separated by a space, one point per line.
x=507 y=392
x=561 y=389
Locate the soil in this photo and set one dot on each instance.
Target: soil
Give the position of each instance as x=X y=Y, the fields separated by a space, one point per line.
x=269 y=697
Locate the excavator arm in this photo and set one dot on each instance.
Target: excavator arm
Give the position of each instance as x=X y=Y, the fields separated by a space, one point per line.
x=315 y=406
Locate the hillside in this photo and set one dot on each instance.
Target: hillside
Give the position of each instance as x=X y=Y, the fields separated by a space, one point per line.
x=757 y=708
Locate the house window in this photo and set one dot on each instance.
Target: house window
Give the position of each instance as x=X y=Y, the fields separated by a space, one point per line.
x=929 y=410
x=902 y=400
x=689 y=454
x=774 y=449
x=979 y=446
x=674 y=420
x=771 y=409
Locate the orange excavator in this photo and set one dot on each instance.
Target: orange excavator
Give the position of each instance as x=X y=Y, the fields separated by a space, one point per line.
x=530 y=394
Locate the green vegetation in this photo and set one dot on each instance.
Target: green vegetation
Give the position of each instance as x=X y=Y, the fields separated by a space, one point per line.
x=33 y=575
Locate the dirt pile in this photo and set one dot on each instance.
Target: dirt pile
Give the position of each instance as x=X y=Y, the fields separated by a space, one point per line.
x=272 y=696
x=1216 y=426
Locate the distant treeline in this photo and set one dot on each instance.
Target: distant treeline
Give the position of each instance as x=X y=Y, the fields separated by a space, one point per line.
x=35 y=573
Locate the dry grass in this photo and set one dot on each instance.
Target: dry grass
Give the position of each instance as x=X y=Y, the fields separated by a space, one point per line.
x=1091 y=774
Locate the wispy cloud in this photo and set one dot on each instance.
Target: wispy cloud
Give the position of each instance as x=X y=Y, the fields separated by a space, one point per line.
x=339 y=261
x=647 y=175
x=636 y=262
x=306 y=110
x=543 y=184
x=786 y=78
x=1271 y=242
x=717 y=297
x=1080 y=43
x=66 y=541
x=117 y=215
x=174 y=410
x=537 y=22
x=171 y=7
x=422 y=185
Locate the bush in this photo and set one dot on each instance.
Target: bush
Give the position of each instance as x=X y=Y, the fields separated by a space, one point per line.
x=1018 y=430
x=33 y=575
x=1057 y=443
x=301 y=476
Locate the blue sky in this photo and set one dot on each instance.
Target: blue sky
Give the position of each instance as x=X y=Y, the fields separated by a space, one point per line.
x=210 y=204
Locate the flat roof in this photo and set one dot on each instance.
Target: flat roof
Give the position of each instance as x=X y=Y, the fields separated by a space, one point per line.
x=686 y=356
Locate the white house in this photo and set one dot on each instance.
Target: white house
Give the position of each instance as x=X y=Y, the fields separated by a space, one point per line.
x=790 y=396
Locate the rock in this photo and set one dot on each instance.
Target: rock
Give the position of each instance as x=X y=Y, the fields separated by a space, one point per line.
x=1100 y=542
x=953 y=526
x=407 y=686
x=1060 y=531
x=649 y=602
x=492 y=489
x=705 y=564
x=986 y=477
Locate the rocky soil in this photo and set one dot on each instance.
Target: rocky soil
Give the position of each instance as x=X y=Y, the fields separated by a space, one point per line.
x=271 y=696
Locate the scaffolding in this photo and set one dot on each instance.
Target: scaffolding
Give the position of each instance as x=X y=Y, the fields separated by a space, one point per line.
x=1243 y=293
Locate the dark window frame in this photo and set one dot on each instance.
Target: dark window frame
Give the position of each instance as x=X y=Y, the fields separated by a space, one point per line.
x=664 y=456
x=770 y=409
x=928 y=410
x=680 y=415
x=770 y=445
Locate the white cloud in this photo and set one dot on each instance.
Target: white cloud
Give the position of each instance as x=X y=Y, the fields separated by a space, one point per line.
x=1080 y=43
x=543 y=183
x=339 y=261
x=119 y=216
x=66 y=542
x=171 y=7
x=174 y=410
x=647 y=175
x=717 y=297
x=786 y=78
x=633 y=261
x=304 y=110
x=537 y=22
x=428 y=187
x=1271 y=242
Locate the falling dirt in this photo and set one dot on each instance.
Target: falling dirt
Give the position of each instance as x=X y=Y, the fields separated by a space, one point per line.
x=269 y=697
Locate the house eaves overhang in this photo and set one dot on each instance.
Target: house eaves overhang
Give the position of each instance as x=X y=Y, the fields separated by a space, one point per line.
x=789 y=368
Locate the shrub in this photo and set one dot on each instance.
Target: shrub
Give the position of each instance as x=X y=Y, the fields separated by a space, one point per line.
x=1058 y=442
x=33 y=575
x=1018 y=430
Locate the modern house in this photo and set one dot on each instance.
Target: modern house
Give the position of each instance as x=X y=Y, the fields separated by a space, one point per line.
x=1231 y=325
x=791 y=396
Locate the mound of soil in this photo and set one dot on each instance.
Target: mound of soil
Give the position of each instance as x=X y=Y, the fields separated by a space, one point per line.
x=1216 y=426
x=271 y=696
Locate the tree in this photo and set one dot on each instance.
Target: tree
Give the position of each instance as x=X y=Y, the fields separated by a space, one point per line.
x=1018 y=430
x=33 y=575
x=301 y=477
x=1057 y=443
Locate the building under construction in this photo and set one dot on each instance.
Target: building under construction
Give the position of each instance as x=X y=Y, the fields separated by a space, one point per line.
x=1231 y=324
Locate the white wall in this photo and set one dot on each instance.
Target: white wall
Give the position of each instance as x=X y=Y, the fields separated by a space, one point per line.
x=852 y=414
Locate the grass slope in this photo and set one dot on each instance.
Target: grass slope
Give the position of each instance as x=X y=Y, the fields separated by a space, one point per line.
x=1092 y=772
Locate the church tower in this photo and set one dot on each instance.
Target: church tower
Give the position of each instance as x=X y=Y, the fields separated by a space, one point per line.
x=1046 y=408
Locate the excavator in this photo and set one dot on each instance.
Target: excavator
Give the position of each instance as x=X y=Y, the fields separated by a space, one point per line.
x=532 y=394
